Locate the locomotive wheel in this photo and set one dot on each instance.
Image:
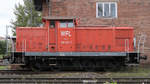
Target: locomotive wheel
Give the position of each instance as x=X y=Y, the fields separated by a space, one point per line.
x=32 y=66
x=36 y=67
x=88 y=65
x=99 y=65
x=112 y=66
x=55 y=68
x=77 y=65
x=25 y=67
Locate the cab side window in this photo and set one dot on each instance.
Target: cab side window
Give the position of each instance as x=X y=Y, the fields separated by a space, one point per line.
x=66 y=24
x=52 y=24
x=63 y=24
x=70 y=24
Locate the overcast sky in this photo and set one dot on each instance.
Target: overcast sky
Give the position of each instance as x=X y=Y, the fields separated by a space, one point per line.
x=6 y=14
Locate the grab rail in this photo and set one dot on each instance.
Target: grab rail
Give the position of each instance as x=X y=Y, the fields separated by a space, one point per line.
x=127 y=48
x=141 y=42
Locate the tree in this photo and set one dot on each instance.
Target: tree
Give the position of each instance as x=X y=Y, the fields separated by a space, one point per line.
x=26 y=15
x=2 y=47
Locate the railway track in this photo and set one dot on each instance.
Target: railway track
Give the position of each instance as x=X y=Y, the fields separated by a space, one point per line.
x=14 y=80
x=23 y=72
x=19 y=76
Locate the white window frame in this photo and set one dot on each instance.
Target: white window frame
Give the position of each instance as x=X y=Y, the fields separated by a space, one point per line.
x=104 y=10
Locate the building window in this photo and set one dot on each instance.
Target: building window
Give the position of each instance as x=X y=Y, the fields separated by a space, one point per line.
x=106 y=10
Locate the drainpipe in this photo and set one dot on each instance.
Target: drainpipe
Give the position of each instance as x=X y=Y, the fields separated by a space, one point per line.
x=49 y=7
x=31 y=15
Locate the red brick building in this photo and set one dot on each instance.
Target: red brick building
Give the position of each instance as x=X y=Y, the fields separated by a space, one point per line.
x=134 y=13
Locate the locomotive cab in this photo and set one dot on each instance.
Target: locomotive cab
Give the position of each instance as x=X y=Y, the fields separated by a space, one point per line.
x=61 y=34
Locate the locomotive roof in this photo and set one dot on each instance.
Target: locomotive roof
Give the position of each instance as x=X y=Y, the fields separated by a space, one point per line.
x=59 y=18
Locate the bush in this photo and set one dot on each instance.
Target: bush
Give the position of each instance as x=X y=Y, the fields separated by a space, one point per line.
x=2 y=47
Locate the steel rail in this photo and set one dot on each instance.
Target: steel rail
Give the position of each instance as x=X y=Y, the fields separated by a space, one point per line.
x=23 y=79
x=130 y=80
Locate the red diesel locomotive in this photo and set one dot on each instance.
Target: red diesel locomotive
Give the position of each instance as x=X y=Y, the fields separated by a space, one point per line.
x=62 y=44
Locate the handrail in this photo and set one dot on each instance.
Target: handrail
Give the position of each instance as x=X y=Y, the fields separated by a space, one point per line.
x=23 y=49
x=142 y=40
x=126 y=45
x=127 y=48
x=24 y=46
x=12 y=44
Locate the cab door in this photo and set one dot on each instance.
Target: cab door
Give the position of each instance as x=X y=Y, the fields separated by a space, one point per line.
x=52 y=36
x=66 y=36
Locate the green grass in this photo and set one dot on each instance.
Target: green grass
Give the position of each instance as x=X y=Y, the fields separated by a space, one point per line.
x=4 y=67
x=131 y=72
x=1 y=56
x=128 y=74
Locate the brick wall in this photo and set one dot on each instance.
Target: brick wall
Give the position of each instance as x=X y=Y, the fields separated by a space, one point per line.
x=134 y=13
